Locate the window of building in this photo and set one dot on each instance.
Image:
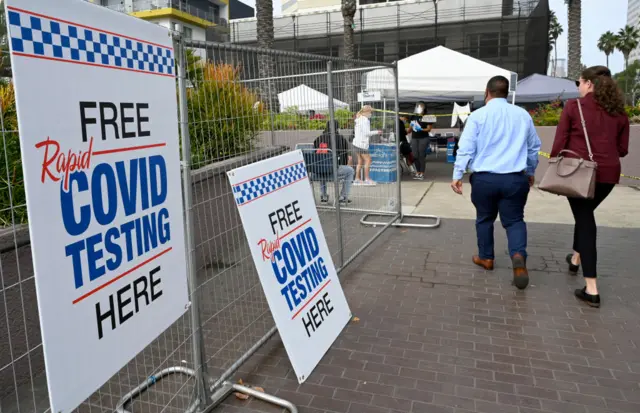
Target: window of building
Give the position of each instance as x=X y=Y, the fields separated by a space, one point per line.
x=187 y=32
x=410 y=47
x=507 y=7
x=323 y=51
x=504 y=45
x=488 y=45
x=373 y=52
x=364 y=2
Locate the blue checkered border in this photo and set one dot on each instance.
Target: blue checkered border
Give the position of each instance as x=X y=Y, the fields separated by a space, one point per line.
x=253 y=189
x=48 y=38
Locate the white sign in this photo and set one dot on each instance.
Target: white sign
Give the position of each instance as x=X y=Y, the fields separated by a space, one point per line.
x=97 y=111
x=373 y=96
x=294 y=264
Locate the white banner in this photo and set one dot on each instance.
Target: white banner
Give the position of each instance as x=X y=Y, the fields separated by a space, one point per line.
x=372 y=96
x=97 y=112
x=290 y=252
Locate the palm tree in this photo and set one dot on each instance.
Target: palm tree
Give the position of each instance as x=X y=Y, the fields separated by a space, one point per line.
x=628 y=39
x=555 y=30
x=575 y=34
x=266 y=64
x=607 y=44
x=348 y=13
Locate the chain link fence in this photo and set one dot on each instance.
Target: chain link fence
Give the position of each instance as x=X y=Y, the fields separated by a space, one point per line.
x=237 y=105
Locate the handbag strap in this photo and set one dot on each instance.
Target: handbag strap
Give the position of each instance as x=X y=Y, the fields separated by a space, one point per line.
x=584 y=128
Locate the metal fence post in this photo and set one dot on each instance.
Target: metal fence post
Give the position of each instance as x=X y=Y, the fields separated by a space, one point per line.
x=199 y=364
x=334 y=151
x=271 y=109
x=396 y=106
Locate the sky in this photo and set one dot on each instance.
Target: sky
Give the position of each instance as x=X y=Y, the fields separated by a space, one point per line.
x=596 y=19
x=598 y=16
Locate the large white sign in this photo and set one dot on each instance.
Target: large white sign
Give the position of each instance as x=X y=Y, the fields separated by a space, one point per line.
x=290 y=252
x=97 y=111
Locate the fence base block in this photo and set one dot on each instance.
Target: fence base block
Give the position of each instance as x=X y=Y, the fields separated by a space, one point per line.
x=399 y=223
x=227 y=388
x=127 y=398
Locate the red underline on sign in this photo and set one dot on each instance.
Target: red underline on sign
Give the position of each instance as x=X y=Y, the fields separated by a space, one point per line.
x=133 y=148
x=296 y=228
x=259 y=176
x=275 y=190
x=126 y=69
x=119 y=277
x=310 y=299
x=86 y=27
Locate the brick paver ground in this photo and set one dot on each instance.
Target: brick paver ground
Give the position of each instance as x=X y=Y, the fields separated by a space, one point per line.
x=438 y=335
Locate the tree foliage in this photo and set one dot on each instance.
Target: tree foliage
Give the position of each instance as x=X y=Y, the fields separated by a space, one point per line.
x=607 y=44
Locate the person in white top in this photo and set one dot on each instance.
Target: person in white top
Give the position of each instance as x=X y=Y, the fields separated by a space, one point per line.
x=363 y=133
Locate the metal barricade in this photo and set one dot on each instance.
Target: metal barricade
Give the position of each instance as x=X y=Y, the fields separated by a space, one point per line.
x=264 y=110
x=237 y=105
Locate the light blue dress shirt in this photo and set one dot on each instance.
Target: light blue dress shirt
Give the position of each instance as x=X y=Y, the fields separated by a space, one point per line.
x=499 y=138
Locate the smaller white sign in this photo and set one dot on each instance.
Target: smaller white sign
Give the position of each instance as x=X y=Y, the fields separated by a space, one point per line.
x=290 y=252
x=369 y=96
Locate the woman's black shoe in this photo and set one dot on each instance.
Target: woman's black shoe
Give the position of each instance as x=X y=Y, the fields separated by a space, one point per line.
x=591 y=300
x=573 y=269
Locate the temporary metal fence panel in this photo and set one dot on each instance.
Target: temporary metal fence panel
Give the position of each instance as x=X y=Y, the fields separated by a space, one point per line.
x=244 y=105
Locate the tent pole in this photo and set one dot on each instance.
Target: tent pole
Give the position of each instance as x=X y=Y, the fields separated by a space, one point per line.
x=513 y=98
x=384 y=113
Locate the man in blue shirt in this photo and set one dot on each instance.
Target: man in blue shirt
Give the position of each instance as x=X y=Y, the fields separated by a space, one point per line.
x=499 y=145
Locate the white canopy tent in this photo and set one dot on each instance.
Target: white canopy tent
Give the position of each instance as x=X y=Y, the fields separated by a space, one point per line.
x=437 y=74
x=305 y=99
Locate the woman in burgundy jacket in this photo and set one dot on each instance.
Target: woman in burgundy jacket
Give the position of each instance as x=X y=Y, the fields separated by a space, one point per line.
x=608 y=129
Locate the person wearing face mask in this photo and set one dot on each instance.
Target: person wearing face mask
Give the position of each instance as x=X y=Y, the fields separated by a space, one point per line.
x=607 y=128
x=500 y=146
x=363 y=134
x=420 y=139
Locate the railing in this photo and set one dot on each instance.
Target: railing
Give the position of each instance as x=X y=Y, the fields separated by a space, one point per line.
x=146 y=5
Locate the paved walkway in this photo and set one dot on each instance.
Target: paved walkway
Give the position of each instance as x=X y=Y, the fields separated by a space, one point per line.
x=439 y=335
x=619 y=210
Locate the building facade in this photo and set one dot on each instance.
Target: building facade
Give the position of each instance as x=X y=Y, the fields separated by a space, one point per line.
x=239 y=10
x=633 y=19
x=558 y=68
x=200 y=19
x=511 y=34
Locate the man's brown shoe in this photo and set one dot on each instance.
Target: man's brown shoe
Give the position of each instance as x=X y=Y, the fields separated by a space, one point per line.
x=486 y=264
x=520 y=273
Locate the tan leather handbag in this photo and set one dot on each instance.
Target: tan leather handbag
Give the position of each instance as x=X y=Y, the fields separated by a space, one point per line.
x=571 y=177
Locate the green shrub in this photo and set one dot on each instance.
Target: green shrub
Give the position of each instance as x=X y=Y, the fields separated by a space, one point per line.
x=222 y=119
x=291 y=119
x=549 y=114
x=11 y=177
x=632 y=111
x=344 y=118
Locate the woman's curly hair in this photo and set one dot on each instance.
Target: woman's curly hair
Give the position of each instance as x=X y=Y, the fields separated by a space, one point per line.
x=605 y=89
